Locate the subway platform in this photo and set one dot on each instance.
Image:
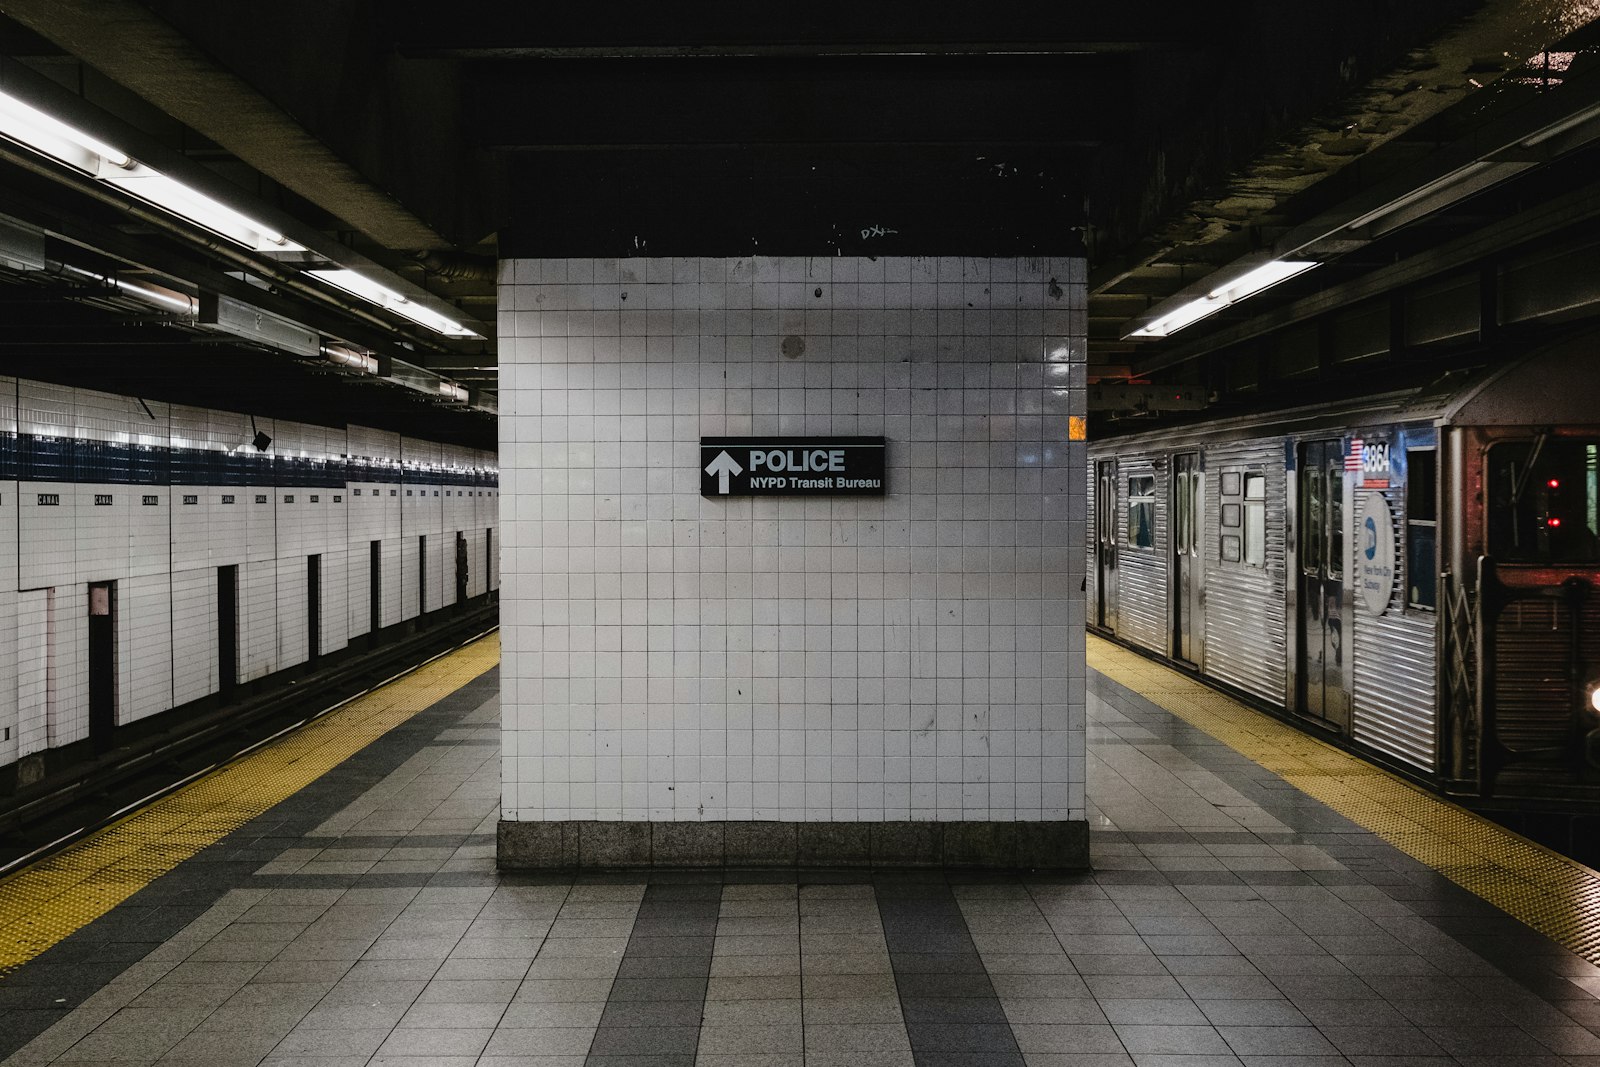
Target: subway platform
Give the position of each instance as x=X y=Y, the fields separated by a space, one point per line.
x=1258 y=899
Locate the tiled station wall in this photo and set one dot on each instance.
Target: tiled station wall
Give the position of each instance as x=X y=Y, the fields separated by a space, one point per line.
x=670 y=657
x=155 y=497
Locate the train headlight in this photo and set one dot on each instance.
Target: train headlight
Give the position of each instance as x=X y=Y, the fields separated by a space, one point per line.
x=1591 y=696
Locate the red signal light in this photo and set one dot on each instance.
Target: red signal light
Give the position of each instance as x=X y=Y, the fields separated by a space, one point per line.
x=1553 y=522
x=1554 y=483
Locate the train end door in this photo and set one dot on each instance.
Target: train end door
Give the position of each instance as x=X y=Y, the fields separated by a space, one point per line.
x=1105 y=544
x=1187 y=577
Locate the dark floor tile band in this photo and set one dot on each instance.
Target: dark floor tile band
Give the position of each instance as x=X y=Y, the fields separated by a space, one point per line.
x=953 y=1016
x=652 y=1017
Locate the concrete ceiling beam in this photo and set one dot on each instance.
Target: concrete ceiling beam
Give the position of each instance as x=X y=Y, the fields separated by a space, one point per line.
x=132 y=46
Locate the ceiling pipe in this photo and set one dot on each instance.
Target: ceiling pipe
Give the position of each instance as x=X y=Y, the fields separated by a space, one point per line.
x=456 y=266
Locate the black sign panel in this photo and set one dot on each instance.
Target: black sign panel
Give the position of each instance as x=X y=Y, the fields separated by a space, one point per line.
x=791 y=466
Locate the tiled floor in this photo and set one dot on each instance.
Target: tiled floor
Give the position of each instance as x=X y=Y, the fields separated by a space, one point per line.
x=1230 y=921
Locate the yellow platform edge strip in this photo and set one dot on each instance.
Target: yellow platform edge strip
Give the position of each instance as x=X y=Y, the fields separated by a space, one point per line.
x=1554 y=895
x=45 y=902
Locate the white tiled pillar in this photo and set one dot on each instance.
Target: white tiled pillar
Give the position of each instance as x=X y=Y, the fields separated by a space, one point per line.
x=883 y=680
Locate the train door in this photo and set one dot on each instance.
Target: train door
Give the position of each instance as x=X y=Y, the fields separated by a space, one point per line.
x=1187 y=498
x=1321 y=593
x=1105 y=542
x=463 y=568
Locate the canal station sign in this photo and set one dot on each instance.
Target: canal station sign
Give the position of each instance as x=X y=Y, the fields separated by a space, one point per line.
x=791 y=466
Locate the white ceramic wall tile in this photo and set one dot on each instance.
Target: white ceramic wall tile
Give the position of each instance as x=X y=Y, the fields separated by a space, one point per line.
x=144 y=647
x=164 y=557
x=668 y=656
x=194 y=635
x=33 y=670
x=67 y=697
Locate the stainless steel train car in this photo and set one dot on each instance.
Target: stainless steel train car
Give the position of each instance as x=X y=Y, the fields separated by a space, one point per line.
x=1416 y=573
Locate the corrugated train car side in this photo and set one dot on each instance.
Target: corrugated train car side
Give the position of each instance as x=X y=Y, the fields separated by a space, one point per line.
x=1416 y=574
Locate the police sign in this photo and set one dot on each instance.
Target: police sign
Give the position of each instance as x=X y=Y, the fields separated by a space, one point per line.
x=791 y=466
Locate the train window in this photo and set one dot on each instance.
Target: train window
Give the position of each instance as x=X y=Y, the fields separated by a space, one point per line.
x=1422 y=485
x=1335 y=506
x=1183 y=512
x=1313 y=523
x=1255 y=520
x=1422 y=513
x=1543 y=500
x=1142 y=512
x=1230 y=483
x=1231 y=516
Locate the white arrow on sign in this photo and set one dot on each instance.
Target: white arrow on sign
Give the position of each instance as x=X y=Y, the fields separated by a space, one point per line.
x=722 y=467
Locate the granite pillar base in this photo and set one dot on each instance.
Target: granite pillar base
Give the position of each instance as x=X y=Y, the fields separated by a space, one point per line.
x=545 y=846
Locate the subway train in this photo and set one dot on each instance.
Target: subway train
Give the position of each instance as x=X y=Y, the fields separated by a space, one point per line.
x=1414 y=575
x=154 y=555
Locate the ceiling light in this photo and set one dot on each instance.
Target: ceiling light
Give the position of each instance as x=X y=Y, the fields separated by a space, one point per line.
x=386 y=298
x=45 y=134
x=1231 y=292
x=167 y=193
x=1263 y=277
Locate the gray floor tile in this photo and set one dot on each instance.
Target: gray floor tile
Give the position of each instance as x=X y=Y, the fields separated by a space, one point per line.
x=750 y=1039
x=453 y=1016
x=436 y=1043
x=1066 y=1038
x=1143 y=1038
x=305 y=1041
x=752 y=1012
x=1276 y=1041
x=836 y=1038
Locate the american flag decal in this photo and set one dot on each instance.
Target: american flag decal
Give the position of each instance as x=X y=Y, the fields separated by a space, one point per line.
x=1352 y=458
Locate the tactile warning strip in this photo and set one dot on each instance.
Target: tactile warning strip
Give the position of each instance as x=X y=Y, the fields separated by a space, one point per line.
x=1555 y=895
x=43 y=903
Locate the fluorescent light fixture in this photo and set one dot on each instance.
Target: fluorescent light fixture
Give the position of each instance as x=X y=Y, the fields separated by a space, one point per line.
x=1231 y=292
x=1263 y=277
x=452 y=391
x=49 y=136
x=169 y=194
x=386 y=298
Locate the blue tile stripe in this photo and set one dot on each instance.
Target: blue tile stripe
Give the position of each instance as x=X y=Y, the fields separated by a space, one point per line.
x=39 y=458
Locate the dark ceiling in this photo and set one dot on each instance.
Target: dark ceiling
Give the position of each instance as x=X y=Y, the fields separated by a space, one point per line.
x=1161 y=138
